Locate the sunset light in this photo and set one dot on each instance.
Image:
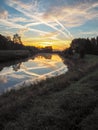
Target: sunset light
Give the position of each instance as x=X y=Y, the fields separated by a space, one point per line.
x=54 y=22
x=48 y=64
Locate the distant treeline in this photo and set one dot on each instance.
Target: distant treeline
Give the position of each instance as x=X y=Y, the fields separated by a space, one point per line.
x=83 y=46
x=8 y=44
x=90 y=46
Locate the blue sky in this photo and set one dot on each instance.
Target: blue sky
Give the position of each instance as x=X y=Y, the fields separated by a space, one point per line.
x=49 y=20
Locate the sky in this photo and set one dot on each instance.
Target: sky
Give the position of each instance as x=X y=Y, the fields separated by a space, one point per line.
x=49 y=22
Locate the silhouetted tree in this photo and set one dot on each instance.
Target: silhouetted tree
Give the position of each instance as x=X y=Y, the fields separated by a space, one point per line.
x=7 y=44
x=97 y=40
x=8 y=38
x=85 y=46
x=17 y=39
x=16 y=67
x=68 y=52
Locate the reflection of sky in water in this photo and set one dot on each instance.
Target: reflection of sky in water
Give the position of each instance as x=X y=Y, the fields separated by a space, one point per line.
x=31 y=69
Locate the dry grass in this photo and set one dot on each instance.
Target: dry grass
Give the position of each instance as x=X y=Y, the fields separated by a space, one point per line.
x=67 y=102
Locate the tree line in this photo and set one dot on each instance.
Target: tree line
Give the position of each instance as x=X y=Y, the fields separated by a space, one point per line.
x=83 y=46
x=15 y=44
x=7 y=44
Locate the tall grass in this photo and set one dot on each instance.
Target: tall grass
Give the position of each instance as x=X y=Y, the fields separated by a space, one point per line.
x=66 y=102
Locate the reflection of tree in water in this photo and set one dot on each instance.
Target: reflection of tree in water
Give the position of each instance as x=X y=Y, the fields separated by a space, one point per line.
x=47 y=56
x=41 y=56
x=1 y=68
x=16 y=67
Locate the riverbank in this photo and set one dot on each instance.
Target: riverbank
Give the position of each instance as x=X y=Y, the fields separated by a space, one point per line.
x=66 y=102
x=7 y=55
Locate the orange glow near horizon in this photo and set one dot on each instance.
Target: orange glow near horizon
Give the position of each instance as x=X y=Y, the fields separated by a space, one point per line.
x=43 y=57
x=41 y=43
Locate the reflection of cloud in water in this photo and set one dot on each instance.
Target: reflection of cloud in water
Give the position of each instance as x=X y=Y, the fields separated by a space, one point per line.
x=17 y=76
x=6 y=71
x=26 y=68
x=49 y=64
x=32 y=71
x=42 y=60
x=56 y=72
x=43 y=57
x=35 y=80
x=3 y=79
x=39 y=65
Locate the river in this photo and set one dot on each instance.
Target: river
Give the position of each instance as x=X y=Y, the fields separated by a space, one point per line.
x=30 y=71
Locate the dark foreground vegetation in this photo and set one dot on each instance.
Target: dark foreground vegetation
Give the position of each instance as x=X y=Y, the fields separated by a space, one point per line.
x=66 y=102
x=13 y=49
x=7 y=44
x=83 y=46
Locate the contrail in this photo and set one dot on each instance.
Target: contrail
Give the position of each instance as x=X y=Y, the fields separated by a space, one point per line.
x=39 y=31
x=31 y=73
x=42 y=21
x=14 y=25
x=39 y=19
x=64 y=28
x=33 y=24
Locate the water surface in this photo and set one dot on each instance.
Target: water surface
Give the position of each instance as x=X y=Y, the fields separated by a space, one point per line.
x=32 y=70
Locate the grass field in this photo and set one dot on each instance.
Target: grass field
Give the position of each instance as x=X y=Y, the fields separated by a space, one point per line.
x=66 y=102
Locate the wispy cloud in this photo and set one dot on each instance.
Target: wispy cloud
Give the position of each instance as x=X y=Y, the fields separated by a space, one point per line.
x=73 y=15
x=87 y=33
x=36 y=16
x=51 y=19
x=13 y=22
x=21 y=28
x=3 y=79
x=3 y=13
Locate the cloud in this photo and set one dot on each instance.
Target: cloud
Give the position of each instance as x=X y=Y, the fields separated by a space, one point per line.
x=35 y=15
x=87 y=33
x=18 y=19
x=3 y=13
x=21 y=29
x=7 y=23
x=33 y=24
x=50 y=34
x=29 y=5
x=15 y=22
x=3 y=79
x=73 y=15
x=58 y=15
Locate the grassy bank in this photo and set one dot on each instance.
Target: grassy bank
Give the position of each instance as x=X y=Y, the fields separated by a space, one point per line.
x=67 y=102
x=7 y=55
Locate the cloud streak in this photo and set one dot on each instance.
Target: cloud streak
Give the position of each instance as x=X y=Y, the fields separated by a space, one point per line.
x=53 y=20
x=3 y=13
x=73 y=16
x=36 y=16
